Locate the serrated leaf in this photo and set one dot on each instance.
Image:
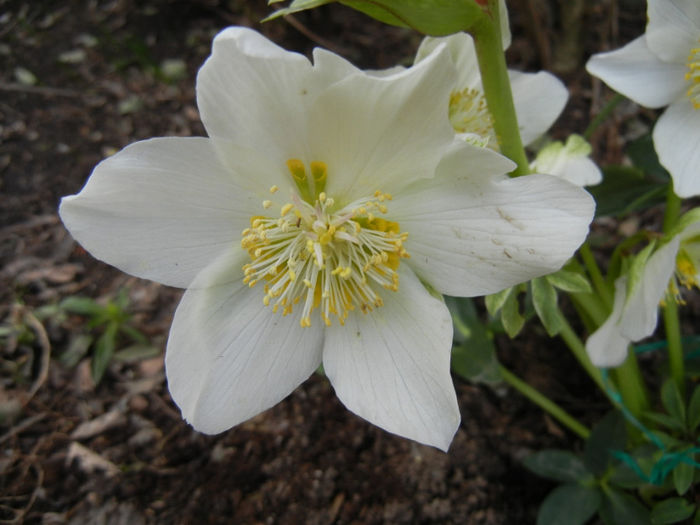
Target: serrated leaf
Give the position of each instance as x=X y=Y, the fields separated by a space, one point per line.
x=671 y=510
x=511 y=317
x=683 y=477
x=81 y=306
x=544 y=299
x=607 y=435
x=559 y=465
x=569 y=504
x=619 y=508
x=673 y=401
x=104 y=350
x=568 y=281
x=694 y=410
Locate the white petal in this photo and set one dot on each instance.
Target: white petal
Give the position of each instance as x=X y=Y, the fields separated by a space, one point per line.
x=639 y=74
x=392 y=365
x=380 y=133
x=228 y=356
x=160 y=209
x=673 y=28
x=677 y=141
x=640 y=314
x=607 y=347
x=569 y=161
x=256 y=94
x=471 y=232
x=463 y=54
x=539 y=99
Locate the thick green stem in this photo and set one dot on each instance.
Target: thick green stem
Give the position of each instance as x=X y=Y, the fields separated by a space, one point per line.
x=579 y=351
x=673 y=328
x=545 y=403
x=630 y=384
x=496 y=84
x=675 y=347
x=596 y=276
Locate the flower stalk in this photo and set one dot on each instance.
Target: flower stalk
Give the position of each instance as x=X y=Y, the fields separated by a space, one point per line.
x=496 y=84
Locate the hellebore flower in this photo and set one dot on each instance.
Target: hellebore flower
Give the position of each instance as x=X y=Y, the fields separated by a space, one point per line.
x=636 y=304
x=662 y=68
x=307 y=227
x=539 y=98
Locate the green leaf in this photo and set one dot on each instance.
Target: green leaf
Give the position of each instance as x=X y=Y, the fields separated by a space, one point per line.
x=559 y=465
x=431 y=17
x=694 y=410
x=618 y=508
x=607 y=435
x=511 y=318
x=671 y=510
x=673 y=401
x=104 y=350
x=77 y=348
x=664 y=420
x=643 y=155
x=572 y=282
x=569 y=504
x=495 y=301
x=137 y=352
x=134 y=334
x=81 y=306
x=475 y=358
x=544 y=299
x=683 y=477
x=625 y=189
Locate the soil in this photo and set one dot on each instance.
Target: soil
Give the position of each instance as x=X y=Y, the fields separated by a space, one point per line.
x=81 y=79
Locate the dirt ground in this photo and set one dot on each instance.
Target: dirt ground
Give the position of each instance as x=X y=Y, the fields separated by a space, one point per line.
x=79 y=80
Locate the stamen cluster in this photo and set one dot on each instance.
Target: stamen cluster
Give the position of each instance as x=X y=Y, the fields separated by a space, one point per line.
x=469 y=113
x=693 y=76
x=322 y=257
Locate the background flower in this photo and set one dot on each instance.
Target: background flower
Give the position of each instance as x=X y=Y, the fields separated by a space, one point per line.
x=662 y=68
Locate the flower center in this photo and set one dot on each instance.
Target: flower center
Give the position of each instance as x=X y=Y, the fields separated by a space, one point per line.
x=470 y=115
x=686 y=275
x=693 y=76
x=326 y=258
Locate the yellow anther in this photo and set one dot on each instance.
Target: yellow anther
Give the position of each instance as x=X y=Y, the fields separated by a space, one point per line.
x=274 y=188
x=307 y=283
x=286 y=209
x=267 y=204
x=292 y=275
x=322 y=197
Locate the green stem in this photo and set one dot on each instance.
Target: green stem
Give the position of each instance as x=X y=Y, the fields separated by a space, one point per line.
x=673 y=328
x=675 y=347
x=603 y=115
x=630 y=384
x=596 y=276
x=496 y=84
x=544 y=403
x=579 y=350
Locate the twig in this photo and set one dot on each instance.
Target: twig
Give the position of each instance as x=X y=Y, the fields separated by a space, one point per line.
x=21 y=427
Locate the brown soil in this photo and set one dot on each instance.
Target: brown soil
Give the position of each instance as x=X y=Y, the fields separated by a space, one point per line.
x=307 y=460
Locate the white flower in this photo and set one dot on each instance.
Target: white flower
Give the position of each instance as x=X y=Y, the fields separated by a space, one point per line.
x=539 y=98
x=637 y=298
x=305 y=227
x=662 y=68
x=569 y=161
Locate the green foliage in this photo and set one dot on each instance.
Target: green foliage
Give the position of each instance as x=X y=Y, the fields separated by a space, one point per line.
x=572 y=504
x=474 y=358
x=558 y=465
x=430 y=17
x=626 y=189
x=108 y=326
x=671 y=510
